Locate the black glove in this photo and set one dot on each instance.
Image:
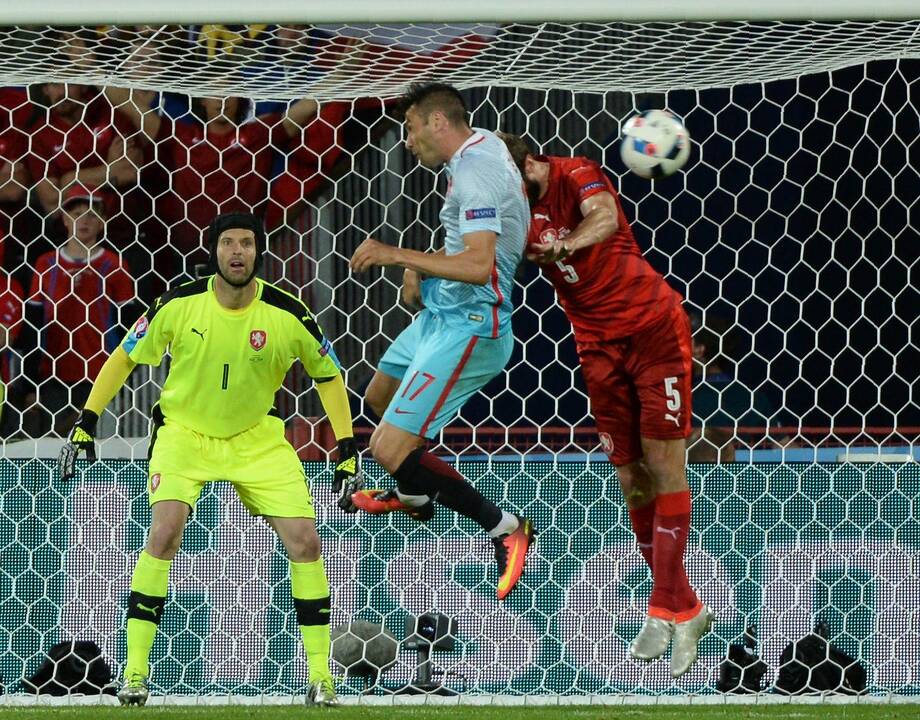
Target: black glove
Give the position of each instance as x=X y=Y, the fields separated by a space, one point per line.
x=82 y=437
x=347 y=478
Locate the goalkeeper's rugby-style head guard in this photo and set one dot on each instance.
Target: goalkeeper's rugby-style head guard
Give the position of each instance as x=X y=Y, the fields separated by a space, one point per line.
x=236 y=221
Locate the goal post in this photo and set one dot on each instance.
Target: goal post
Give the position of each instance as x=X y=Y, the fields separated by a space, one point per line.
x=791 y=233
x=60 y=12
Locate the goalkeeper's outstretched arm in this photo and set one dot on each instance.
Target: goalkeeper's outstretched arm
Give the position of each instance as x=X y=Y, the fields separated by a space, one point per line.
x=83 y=436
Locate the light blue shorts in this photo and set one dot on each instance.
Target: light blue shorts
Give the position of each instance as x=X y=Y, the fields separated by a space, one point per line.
x=440 y=367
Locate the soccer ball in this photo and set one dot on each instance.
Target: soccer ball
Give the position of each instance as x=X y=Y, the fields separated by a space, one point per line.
x=655 y=144
x=364 y=648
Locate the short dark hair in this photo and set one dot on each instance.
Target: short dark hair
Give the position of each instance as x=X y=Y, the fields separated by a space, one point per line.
x=518 y=147
x=427 y=97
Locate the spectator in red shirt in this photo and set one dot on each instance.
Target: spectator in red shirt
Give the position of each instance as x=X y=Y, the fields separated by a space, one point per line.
x=79 y=289
x=317 y=147
x=10 y=325
x=77 y=136
x=218 y=161
x=15 y=111
x=14 y=180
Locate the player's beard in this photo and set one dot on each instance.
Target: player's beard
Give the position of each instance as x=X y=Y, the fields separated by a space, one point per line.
x=239 y=283
x=533 y=191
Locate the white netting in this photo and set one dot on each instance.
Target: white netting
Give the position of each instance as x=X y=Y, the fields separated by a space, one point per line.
x=791 y=233
x=347 y=61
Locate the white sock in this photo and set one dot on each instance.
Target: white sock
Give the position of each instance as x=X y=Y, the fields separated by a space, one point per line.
x=508 y=524
x=412 y=500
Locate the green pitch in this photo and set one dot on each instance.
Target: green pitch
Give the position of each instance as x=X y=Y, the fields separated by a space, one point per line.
x=613 y=712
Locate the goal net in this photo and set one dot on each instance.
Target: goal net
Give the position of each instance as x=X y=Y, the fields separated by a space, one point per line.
x=791 y=233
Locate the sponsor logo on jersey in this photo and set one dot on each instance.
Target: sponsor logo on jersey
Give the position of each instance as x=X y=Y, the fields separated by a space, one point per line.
x=140 y=327
x=154 y=482
x=480 y=213
x=591 y=186
x=606 y=443
x=257 y=339
x=325 y=347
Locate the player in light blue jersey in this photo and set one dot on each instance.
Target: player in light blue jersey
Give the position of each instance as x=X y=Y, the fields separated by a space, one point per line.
x=462 y=337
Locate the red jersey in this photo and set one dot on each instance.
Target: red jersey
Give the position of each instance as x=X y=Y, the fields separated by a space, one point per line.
x=217 y=172
x=59 y=148
x=608 y=290
x=13 y=146
x=79 y=301
x=15 y=108
x=15 y=111
x=317 y=150
x=10 y=318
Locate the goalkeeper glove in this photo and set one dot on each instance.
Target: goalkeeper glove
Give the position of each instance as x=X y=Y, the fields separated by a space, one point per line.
x=347 y=478
x=82 y=437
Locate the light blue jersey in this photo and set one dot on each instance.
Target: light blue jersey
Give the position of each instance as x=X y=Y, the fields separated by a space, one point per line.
x=484 y=192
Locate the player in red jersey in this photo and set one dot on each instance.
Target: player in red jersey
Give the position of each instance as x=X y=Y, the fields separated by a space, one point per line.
x=634 y=347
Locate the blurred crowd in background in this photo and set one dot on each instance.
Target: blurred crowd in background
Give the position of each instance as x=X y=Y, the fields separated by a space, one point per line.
x=105 y=192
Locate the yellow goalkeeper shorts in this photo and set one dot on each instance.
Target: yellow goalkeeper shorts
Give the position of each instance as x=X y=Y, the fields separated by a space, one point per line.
x=260 y=463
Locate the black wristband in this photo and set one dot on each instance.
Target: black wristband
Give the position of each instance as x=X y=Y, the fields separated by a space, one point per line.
x=87 y=421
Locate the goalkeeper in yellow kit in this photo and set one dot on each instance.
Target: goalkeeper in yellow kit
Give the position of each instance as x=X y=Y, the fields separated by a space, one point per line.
x=232 y=338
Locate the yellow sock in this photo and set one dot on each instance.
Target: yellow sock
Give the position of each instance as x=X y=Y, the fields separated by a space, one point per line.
x=145 y=609
x=310 y=589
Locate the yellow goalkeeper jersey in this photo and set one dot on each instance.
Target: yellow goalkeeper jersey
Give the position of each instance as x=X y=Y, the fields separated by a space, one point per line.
x=226 y=365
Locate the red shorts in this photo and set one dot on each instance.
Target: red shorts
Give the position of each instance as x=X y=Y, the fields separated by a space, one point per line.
x=640 y=386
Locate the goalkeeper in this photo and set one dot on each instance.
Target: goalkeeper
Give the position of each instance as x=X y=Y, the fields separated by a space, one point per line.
x=232 y=338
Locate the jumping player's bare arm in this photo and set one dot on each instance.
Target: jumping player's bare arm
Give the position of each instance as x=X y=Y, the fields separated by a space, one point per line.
x=473 y=265
x=600 y=222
